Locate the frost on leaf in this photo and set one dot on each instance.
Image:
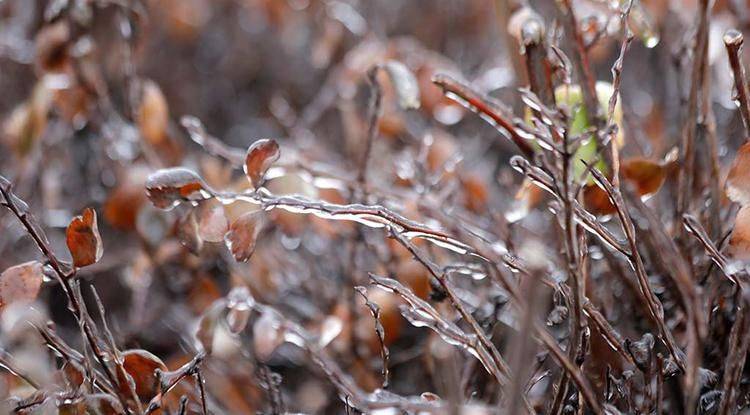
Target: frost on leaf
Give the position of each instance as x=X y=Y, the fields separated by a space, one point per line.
x=82 y=237
x=20 y=283
x=260 y=156
x=166 y=188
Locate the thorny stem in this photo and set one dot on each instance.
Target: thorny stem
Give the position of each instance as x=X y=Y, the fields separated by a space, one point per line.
x=64 y=280
x=733 y=40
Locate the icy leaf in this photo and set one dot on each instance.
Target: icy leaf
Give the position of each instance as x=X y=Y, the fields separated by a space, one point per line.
x=213 y=224
x=738 y=180
x=141 y=365
x=243 y=235
x=206 y=331
x=166 y=188
x=153 y=114
x=239 y=309
x=267 y=335
x=188 y=232
x=405 y=84
x=260 y=156
x=646 y=175
x=83 y=239
x=20 y=283
x=739 y=243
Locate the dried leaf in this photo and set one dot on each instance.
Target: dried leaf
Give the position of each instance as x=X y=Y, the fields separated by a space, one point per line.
x=213 y=224
x=646 y=175
x=738 y=180
x=84 y=242
x=21 y=283
x=153 y=114
x=405 y=84
x=739 y=244
x=166 y=188
x=141 y=365
x=243 y=235
x=52 y=46
x=188 y=232
x=260 y=156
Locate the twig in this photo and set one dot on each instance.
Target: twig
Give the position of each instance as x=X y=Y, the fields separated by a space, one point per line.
x=484 y=106
x=374 y=110
x=375 y=311
x=12 y=203
x=733 y=40
x=652 y=302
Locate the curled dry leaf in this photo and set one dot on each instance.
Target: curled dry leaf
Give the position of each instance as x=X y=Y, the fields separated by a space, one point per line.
x=141 y=366
x=153 y=114
x=739 y=244
x=166 y=188
x=260 y=156
x=83 y=239
x=405 y=84
x=738 y=180
x=21 y=283
x=243 y=235
x=213 y=224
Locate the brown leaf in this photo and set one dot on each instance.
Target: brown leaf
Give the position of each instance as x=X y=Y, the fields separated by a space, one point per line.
x=647 y=175
x=166 y=188
x=739 y=243
x=243 y=235
x=260 y=156
x=84 y=242
x=21 y=283
x=213 y=224
x=188 y=232
x=153 y=114
x=140 y=365
x=738 y=180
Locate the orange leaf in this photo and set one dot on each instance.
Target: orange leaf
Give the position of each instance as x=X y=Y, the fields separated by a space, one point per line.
x=739 y=244
x=141 y=366
x=260 y=156
x=738 y=180
x=166 y=188
x=646 y=175
x=21 y=283
x=84 y=242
